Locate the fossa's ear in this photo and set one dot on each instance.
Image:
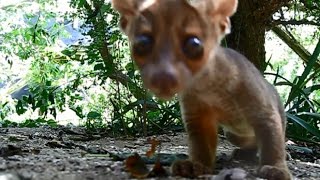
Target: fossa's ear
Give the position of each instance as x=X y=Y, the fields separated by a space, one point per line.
x=218 y=10
x=225 y=7
x=130 y=8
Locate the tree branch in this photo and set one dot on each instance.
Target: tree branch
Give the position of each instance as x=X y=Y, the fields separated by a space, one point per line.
x=265 y=8
x=296 y=22
x=99 y=26
x=294 y=45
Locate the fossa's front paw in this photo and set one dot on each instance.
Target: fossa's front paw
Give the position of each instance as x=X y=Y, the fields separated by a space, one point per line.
x=274 y=173
x=187 y=168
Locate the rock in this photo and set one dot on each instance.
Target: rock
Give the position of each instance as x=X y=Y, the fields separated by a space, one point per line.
x=232 y=174
x=9 y=176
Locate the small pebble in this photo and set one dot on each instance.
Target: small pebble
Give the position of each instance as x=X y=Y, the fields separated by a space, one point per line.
x=231 y=174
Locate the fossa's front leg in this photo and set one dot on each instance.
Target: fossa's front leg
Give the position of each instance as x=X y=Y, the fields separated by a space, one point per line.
x=202 y=136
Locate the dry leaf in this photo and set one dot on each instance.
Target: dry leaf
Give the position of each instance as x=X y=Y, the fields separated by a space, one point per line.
x=158 y=170
x=136 y=166
x=154 y=143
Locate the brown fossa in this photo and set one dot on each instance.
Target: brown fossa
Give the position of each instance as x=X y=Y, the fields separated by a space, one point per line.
x=176 y=46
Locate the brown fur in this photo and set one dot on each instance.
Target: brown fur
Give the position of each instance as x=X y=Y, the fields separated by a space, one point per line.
x=219 y=88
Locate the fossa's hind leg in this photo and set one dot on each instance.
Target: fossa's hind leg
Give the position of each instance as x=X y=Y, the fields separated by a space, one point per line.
x=247 y=144
x=270 y=134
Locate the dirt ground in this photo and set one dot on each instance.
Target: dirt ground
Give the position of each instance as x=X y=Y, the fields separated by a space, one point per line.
x=71 y=154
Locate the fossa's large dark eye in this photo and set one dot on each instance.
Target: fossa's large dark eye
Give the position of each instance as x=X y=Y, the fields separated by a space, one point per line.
x=193 y=48
x=142 y=45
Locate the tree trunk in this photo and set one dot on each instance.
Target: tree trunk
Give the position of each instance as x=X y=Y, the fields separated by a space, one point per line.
x=248 y=29
x=248 y=38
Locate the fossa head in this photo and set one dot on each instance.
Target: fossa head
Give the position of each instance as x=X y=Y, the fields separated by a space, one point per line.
x=172 y=40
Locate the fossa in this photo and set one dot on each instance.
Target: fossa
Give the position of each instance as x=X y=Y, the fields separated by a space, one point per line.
x=176 y=45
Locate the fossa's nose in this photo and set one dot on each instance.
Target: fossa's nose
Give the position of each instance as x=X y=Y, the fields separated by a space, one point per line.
x=164 y=82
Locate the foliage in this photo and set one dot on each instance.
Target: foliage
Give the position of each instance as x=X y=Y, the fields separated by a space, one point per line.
x=303 y=110
x=30 y=123
x=303 y=90
x=121 y=106
x=32 y=36
x=134 y=110
x=4 y=110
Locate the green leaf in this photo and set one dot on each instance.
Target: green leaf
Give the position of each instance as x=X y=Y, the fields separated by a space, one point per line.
x=25 y=98
x=99 y=67
x=20 y=109
x=316 y=115
x=93 y=115
x=311 y=89
x=304 y=124
x=105 y=8
x=302 y=79
x=40 y=120
x=68 y=52
x=52 y=123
